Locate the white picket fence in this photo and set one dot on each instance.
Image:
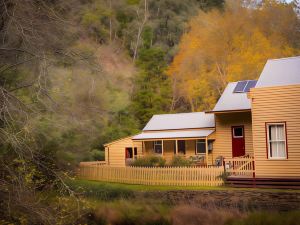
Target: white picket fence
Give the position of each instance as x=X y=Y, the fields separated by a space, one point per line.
x=175 y=176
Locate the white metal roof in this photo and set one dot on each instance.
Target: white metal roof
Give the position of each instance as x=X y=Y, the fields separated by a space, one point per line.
x=180 y=121
x=232 y=101
x=279 y=72
x=173 y=134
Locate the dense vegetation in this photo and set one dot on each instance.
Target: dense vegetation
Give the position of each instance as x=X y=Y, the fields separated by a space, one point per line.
x=78 y=73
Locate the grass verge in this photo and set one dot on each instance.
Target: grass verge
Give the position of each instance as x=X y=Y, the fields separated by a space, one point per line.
x=100 y=185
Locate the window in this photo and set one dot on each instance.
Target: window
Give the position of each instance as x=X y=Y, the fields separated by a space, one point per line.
x=210 y=145
x=238 y=132
x=181 y=146
x=276 y=137
x=128 y=153
x=200 y=147
x=135 y=153
x=158 y=147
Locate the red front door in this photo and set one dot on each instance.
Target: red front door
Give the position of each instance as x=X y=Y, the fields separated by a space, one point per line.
x=238 y=141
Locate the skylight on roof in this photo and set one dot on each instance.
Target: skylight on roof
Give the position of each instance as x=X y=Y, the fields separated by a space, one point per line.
x=244 y=86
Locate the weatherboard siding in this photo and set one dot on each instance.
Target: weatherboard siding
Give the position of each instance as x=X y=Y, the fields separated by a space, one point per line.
x=169 y=150
x=115 y=151
x=276 y=104
x=223 y=142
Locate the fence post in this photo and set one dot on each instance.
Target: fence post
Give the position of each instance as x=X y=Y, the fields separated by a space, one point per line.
x=185 y=175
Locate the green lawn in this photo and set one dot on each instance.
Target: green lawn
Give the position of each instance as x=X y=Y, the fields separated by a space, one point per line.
x=87 y=184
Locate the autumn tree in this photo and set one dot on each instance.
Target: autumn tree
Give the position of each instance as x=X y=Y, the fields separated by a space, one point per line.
x=219 y=48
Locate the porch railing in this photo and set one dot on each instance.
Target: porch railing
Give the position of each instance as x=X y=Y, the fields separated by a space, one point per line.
x=240 y=166
x=176 y=176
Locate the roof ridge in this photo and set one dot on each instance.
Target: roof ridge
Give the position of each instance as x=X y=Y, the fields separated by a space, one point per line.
x=242 y=80
x=167 y=114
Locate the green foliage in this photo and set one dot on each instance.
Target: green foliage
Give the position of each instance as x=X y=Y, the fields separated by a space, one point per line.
x=99 y=191
x=152 y=61
x=121 y=124
x=180 y=161
x=133 y=2
x=149 y=161
x=98 y=155
x=147 y=37
x=152 y=93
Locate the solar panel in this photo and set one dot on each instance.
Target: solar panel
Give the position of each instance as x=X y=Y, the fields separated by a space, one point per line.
x=250 y=84
x=239 y=88
x=244 y=86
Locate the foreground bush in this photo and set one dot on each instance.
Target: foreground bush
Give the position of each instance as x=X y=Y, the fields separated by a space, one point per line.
x=269 y=218
x=99 y=191
x=149 y=161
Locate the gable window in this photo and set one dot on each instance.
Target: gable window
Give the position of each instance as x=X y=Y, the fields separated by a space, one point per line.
x=158 y=147
x=200 y=147
x=276 y=137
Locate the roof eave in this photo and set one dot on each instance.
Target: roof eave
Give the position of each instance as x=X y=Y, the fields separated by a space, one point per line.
x=172 y=138
x=229 y=111
x=191 y=128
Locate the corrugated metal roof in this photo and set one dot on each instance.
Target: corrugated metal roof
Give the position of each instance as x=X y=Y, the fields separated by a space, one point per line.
x=180 y=121
x=232 y=101
x=173 y=134
x=279 y=72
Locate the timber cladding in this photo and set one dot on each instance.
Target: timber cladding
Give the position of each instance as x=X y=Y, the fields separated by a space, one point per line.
x=115 y=151
x=274 y=105
x=224 y=124
x=169 y=149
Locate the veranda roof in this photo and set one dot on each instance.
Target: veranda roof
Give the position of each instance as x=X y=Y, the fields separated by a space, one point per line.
x=173 y=134
x=180 y=121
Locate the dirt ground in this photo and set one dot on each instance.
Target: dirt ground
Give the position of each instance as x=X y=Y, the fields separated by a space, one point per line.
x=243 y=200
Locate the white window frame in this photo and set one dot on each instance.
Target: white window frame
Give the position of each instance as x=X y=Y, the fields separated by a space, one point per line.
x=202 y=141
x=270 y=141
x=158 y=143
x=233 y=133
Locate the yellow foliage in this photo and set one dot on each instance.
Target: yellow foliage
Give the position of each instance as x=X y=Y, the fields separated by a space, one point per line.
x=231 y=45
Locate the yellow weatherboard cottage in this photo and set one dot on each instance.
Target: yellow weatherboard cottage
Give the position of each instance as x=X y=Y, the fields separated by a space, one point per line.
x=252 y=119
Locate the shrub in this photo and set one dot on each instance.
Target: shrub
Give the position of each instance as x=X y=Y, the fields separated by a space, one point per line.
x=180 y=161
x=131 y=212
x=98 y=155
x=193 y=215
x=99 y=190
x=149 y=161
x=268 y=218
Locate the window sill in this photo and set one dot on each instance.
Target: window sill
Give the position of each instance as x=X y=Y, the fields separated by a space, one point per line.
x=277 y=159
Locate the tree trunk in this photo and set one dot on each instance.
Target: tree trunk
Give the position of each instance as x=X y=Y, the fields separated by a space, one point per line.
x=140 y=30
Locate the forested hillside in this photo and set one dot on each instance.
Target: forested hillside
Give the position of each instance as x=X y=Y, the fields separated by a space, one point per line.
x=75 y=74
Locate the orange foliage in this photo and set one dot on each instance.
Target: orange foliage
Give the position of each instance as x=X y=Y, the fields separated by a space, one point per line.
x=232 y=45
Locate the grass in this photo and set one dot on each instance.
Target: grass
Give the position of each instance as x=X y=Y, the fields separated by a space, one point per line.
x=115 y=203
x=136 y=187
x=94 y=185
